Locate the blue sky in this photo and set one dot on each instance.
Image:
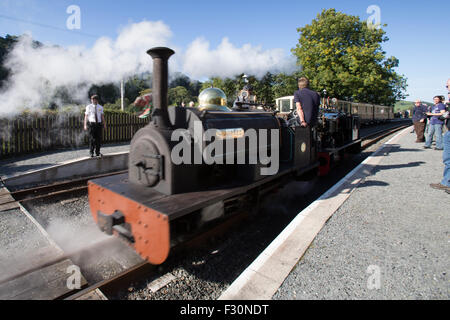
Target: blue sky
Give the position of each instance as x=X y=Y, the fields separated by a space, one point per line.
x=418 y=30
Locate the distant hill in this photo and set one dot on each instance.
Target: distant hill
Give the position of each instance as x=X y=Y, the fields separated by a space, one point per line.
x=403 y=105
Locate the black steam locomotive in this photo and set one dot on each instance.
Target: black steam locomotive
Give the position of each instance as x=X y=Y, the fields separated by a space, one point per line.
x=337 y=128
x=190 y=166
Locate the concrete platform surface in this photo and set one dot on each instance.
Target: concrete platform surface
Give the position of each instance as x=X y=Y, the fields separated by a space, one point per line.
x=19 y=165
x=381 y=233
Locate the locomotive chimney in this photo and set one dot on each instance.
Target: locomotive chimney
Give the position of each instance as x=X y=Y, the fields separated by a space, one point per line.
x=160 y=57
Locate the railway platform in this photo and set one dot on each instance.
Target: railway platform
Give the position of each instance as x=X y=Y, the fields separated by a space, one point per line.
x=61 y=164
x=381 y=233
x=19 y=165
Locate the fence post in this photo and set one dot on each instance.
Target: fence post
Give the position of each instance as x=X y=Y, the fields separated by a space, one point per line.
x=16 y=136
x=2 y=138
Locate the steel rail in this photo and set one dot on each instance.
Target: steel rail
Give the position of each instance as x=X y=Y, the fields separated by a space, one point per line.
x=377 y=136
x=124 y=278
x=56 y=189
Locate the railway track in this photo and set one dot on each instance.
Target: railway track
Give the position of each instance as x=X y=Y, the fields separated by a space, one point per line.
x=123 y=279
x=144 y=269
x=56 y=189
x=372 y=138
x=133 y=274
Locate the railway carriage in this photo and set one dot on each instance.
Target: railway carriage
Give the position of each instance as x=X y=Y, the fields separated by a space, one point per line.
x=368 y=113
x=285 y=105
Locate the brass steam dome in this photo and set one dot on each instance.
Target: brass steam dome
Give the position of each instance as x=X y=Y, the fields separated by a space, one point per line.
x=213 y=99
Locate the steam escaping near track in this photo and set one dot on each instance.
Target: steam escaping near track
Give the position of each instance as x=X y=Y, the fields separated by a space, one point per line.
x=37 y=73
x=87 y=246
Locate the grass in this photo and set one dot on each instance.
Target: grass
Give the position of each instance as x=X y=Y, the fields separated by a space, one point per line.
x=407 y=105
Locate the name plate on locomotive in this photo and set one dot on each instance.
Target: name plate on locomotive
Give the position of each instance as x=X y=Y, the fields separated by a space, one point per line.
x=234 y=133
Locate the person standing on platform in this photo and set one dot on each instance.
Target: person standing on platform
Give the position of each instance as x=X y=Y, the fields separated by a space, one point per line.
x=435 y=124
x=419 y=119
x=307 y=103
x=94 y=120
x=427 y=127
x=445 y=183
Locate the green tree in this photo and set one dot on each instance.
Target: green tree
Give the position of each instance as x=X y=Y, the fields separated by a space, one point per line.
x=340 y=53
x=215 y=82
x=180 y=80
x=108 y=93
x=6 y=45
x=264 y=88
x=194 y=88
x=117 y=105
x=284 y=84
x=134 y=86
x=177 y=95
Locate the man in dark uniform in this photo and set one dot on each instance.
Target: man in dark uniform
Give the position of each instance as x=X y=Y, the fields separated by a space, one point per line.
x=307 y=103
x=420 y=120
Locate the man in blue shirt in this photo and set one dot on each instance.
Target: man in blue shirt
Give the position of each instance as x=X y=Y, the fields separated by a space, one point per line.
x=307 y=103
x=435 y=124
x=445 y=183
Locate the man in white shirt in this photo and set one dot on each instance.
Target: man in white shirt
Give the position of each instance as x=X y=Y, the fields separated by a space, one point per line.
x=94 y=120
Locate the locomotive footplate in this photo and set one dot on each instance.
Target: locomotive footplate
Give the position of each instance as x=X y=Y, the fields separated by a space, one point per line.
x=143 y=215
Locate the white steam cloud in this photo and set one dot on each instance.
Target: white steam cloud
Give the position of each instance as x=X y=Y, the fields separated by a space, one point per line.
x=228 y=60
x=37 y=73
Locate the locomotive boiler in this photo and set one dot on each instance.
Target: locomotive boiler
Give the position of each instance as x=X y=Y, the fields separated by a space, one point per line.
x=190 y=166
